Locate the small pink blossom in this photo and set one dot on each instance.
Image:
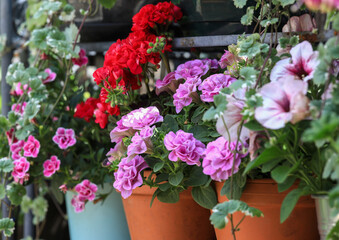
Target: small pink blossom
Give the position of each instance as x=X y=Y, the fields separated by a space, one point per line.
x=300 y=66
x=141 y=142
x=31 y=147
x=63 y=188
x=212 y=85
x=21 y=89
x=218 y=159
x=232 y=117
x=283 y=102
x=128 y=176
x=135 y=120
x=86 y=190
x=11 y=137
x=82 y=59
x=51 y=166
x=184 y=146
x=21 y=167
x=192 y=69
x=227 y=59
x=16 y=149
x=78 y=205
x=51 y=76
x=64 y=138
x=168 y=84
x=185 y=94
x=19 y=108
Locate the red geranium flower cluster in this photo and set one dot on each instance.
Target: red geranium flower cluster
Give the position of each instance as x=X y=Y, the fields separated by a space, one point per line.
x=126 y=59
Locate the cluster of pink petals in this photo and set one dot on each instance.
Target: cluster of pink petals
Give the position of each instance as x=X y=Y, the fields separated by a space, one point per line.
x=185 y=147
x=128 y=176
x=85 y=192
x=283 y=102
x=11 y=137
x=16 y=149
x=227 y=59
x=19 y=108
x=31 y=147
x=322 y=5
x=21 y=89
x=63 y=188
x=300 y=66
x=184 y=95
x=21 y=167
x=64 y=138
x=304 y=23
x=195 y=68
x=51 y=76
x=78 y=205
x=232 y=118
x=212 y=85
x=51 y=166
x=134 y=121
x=140 y=142
x=82 y=59
x=168 y=84
x=219 y=159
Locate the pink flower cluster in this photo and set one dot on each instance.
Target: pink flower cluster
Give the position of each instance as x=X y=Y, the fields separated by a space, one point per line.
x=19 y=108
x=82 y=59
x=128 y=176
x=184 y=146
x=141 y=142
x=134 y=121
x=64 y=138
x=227 y=59
x=21 y=89
x=30 y=148
x=51 y=76
x=85 y=192
x=51 y=166
x=218 y=159
x=21 y=167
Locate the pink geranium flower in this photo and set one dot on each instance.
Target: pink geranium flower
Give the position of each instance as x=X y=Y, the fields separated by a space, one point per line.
x=184 y=146
x=227 y=59
x=78 y=205
x=51 y=166
x=64 y=138
x=19 y=108
x=218 y=159
x=20 y=89
x=31 y=147
x=128 y=176
x=232 y=118
x=16 y=149
x=63 y=188
x=300 y=66
x=86 y=190
x=283 y=102
x=51 y=76
x=82 y=59
x=21 y=167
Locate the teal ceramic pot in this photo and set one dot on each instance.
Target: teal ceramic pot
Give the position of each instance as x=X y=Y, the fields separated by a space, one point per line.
x=103 y=220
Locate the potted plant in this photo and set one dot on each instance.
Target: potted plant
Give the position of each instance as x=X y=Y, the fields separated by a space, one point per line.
x=49 y=148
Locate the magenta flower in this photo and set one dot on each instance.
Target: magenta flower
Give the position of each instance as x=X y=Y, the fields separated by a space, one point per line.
x=20 y=89
x=168 y=84
x=51 y=166
x=185 y=94
x=31 y=147
x=218 y=159
x=232 y=117
x=86 y=190
x=82 y=59
x=128 y=176
x=141 y=142
x=213 y=84
x=135 y=120
x=227 y=59
x=300 y=66
x=184 y=146
x=16 y=149
x=21 y=167
x=64 y=138
x=78 y=205
x=283 y=102
x=192 y=69
x=19 y=108
x=51 y=76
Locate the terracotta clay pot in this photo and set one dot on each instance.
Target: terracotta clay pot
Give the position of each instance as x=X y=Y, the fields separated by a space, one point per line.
x=263 y=194
x=184 y=220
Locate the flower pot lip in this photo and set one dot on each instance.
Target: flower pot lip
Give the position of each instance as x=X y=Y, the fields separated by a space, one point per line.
x=319 y=196
x=257 y=181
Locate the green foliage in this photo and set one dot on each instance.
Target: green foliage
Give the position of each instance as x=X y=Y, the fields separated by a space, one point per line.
x=248 y=17
x=219 y=217
x=107 y=3
x=205 y=196
x=239 y=183
x=15 y=193
x=251 y=46
x=171 y=195
x=175 y=178
x=26 y=204
x=2 y=191
x=289 y=203
x=7 y=226
x=39 y=209
x=284 y=3
x=334 y=233
x=240 y=3
x=322 y=128
x=6 y=165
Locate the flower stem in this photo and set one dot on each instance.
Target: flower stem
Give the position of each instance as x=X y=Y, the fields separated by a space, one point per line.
x=164 y=58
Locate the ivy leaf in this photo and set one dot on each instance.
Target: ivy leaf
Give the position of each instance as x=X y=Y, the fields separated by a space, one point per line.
x=239 y=3
x=6 y=165
x=15 y=193
x=38 y=38
x=107 y=3
x=249 y=74
x=7 y=226
x=267 y=22
x=205 y=196
x=39 y=209
x=248 y=17
x=222 y=210
x=24 y=132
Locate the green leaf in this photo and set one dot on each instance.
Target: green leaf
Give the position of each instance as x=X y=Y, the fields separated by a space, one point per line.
x=336 y=22
x=284 y=3
x=39 y=209
x=200 y=132
x=7 y=226
x=280 y=173
x=254 y=126
x=239 y=3
x=59 y=196
x=267 y=155
x=286 y=184
x=155 y=194
x=32 y=109
x=164 y=187
x=71 y=33
x=15 y=192
x=267 y=22
x=221 y=211
x=205 y=196
x=239 y=182
x=249 y=74
x=248 y=17
x=158 y=166
x=12 y=117
x=24 y=132
x=2 y=191
x=289 y=203
x=322 y=128
x=196 y=177
x=26 y=204
x=6 y=165
x=175 y=178
x=334 y=232
x=4 y=123
x=169 y=196
x=107 y=3
x=170 y=124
